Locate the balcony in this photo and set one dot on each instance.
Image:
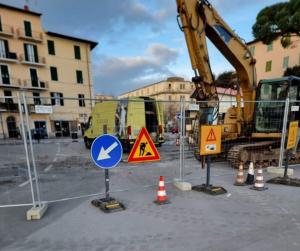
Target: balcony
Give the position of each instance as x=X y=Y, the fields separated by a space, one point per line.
x=35 y=84
x=40 y=108
x=8 y=57
x=33 y=36
x=6 y=30
x=36 y=61
x=9 y=82
x=9 y=107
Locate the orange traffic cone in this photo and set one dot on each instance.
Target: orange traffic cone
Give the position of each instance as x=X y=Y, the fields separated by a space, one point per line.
x=161 y=193
x=239 y=180
x=177 y=141
x=250 y=175
x=259 y=184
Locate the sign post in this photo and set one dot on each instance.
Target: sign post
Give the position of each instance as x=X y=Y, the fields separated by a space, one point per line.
x=210 y=144
x=291 y=143
x=106 y=152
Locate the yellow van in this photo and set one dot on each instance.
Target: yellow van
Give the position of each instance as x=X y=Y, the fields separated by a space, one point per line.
x=124 y=118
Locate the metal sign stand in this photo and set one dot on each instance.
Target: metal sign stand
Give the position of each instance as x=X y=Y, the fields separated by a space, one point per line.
x=286 y=180
x=291 y=143
x=108 y=204
x=207 y=187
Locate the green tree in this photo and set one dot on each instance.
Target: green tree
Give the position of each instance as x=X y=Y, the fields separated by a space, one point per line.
x=226 y=79
x=278 y=20
x=295 y=71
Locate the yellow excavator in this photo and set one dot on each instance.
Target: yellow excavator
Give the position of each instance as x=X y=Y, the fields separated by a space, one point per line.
x=252 y=129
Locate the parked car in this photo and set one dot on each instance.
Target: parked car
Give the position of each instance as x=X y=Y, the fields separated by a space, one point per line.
x=39 y=133
x=174 y=130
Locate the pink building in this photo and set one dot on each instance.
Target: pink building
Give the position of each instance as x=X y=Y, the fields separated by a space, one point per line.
x=273 y=59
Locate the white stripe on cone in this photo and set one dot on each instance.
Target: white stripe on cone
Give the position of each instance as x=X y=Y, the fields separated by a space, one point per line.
x=161 y=183
x=161 y=193
x=259 y=184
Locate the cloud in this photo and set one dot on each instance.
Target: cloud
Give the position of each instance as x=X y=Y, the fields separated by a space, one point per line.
x=96 y=19
x=121 y=74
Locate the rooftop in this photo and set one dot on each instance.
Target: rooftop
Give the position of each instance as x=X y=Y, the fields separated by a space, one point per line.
x=92 y=43
x=19 y=9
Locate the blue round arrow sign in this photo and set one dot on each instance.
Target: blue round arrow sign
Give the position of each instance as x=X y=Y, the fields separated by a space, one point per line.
x=106 y=151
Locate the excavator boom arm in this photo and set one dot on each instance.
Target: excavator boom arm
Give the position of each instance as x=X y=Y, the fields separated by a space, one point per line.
x=200 y=20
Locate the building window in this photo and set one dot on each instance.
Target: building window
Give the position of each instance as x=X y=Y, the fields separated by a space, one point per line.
x=270 y=47
x=4 y=48
x=1 y=24
x=79 y=77
x=53 y=72
x=285 y=63
x=182 y=86
x=170 y=86
x=57 y=99
x=36 y=98
x=77 y=52
x=8 y=97
x=81 y=100
x=268 y=66
x=4 y=75
x=27 y=27
x=31 y=53
x=34 y=77
x=51 y=48
x=170 y=97
x=252 y=50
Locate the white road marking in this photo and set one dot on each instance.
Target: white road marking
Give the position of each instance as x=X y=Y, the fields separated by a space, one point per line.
x=55 y=159
x=228 y=195
x=47 y=169
x=25 y=183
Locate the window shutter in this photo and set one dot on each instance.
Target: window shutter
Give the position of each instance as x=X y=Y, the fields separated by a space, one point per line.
x=6 y=48
x=52 y=98
x=61 y=99
x=25 y=52
x=36 y=56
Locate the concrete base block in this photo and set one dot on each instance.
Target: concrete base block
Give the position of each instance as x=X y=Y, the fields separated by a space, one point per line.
x=280 y=171
x=36 y=213
x=183 y=186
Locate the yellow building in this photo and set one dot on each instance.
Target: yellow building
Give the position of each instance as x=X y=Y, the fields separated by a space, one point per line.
x=103 y=97
x=46 y=66
x=273 y=59
x=167 y=90
x=172 y=89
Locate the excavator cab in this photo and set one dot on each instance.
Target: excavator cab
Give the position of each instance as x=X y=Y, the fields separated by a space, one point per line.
x=270 y=105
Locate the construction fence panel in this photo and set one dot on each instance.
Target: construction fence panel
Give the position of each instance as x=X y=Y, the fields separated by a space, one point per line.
x=256 y=138
x=63 y=130
x=15 y=187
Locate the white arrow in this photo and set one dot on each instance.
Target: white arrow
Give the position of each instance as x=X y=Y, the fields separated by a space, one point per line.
x=104 y=153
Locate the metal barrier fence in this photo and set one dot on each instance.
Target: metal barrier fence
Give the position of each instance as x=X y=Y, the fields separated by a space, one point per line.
x=45 y=142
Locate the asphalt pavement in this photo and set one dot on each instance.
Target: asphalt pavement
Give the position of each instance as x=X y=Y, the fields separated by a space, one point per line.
x=242 y=219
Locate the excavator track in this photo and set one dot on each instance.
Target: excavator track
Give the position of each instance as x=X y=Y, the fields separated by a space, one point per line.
x=262 y=154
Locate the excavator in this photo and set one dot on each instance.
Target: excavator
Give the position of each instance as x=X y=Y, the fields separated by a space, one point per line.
x=252 y=129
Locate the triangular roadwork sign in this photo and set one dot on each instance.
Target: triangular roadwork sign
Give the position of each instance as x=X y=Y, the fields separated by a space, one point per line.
x=211 y=136
x=143 y=149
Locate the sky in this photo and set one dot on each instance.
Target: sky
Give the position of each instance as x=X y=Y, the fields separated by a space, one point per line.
x=139 y=40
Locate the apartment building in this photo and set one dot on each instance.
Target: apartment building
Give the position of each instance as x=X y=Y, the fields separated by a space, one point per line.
x=48 y=67
x=170 y=89
x=273 y=59
x=174 y=88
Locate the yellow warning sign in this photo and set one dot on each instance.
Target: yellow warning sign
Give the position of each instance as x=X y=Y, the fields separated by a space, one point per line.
x=210 y=139
x=293 y=134
x=143 y=149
